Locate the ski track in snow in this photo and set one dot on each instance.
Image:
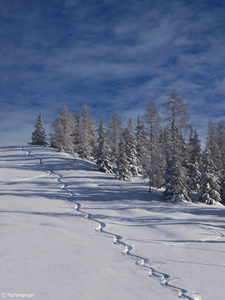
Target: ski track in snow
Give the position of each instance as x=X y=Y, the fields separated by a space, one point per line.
x=142 y=262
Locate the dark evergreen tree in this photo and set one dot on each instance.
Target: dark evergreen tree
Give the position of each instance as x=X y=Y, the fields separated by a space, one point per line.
x=39 y=134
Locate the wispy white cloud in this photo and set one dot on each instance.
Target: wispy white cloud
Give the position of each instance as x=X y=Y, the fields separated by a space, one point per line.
x=112 y=54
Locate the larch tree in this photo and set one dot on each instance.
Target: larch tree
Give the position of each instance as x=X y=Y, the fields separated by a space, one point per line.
x=39 y=134
x=63 y=131
x=176 y=173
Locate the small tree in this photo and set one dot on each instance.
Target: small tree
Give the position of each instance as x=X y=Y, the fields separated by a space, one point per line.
x=123 y=168
x=141 y=146
x=194 y=161
x=63 y=131
x=213 y=147
x=220 y=134
x=210 y=184
x=39 y=135
x=176 y=173
x=130 y=147
x=113 y=135
x=153 y=122
x=88 y=139
x=77 y=132
x=102 y=151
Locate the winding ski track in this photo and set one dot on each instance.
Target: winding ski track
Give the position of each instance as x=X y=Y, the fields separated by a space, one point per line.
x=140 y=261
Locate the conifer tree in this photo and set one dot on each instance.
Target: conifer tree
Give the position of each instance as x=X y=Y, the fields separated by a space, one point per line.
x=220 y=138
x=222 y=186
x=87 y=135
x=123 y=168
x=39 y=135
x=130 y=147
x=114 y=134
x=166 y=143
x=194 y=161
x=213 y=147
x=153 y=122
x=161 y=160
x=210 y=184
x=63 y=131
x=176 y=173
x=141 y=146
x=102 y=151
x=221 y=144
x=77 y=132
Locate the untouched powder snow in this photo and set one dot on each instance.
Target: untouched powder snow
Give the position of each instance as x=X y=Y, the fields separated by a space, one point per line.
x=68 y=231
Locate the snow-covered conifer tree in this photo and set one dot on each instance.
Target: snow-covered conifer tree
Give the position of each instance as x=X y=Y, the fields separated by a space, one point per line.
x=176 y=173
x=141 y=147
x=220 y=137
x=123 y=167
x=114 y=133
x=194 y=161
x=210 y=184
x=153 y=125
x=222 y=186
x=212 y=145
x=88 y=138
x=63 y=130
x=102 y=151
x=221 y=144
x=165 y=141
x=39 y=134
x=77 y=132
x=130 y=147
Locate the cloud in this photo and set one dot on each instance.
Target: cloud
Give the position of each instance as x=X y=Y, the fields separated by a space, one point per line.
x=111 y=55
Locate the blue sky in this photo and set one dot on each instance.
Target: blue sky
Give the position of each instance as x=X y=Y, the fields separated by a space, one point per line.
x=109 y=55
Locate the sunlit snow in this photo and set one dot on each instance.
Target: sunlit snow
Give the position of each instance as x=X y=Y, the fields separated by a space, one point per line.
x=68 y=231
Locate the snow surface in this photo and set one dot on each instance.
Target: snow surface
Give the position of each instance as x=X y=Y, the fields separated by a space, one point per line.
x=68 y=231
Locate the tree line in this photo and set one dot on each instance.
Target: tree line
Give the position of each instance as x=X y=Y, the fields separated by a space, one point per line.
x=166 y=150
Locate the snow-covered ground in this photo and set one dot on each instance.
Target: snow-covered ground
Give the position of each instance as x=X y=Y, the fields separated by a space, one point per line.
x=69 y=232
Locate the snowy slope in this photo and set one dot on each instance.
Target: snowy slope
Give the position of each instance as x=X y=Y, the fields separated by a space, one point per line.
x=68 y=231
